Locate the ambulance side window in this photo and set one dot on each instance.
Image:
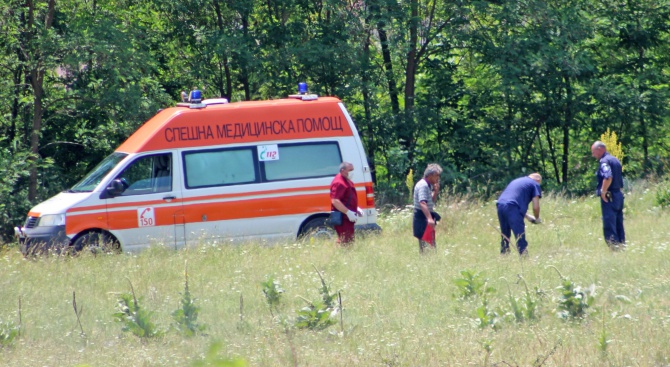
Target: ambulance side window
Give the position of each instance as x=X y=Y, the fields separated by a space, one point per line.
x=208 y=168
x=298 y=161
x=146 y=175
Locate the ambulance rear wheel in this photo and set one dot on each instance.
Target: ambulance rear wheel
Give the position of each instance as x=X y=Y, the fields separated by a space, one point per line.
x=318 y=228
x=96 y=243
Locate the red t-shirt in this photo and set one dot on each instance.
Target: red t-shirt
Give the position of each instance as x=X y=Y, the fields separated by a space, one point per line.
x=344 y=190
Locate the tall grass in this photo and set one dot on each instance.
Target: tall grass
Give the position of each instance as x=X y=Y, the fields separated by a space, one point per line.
x=400 y=308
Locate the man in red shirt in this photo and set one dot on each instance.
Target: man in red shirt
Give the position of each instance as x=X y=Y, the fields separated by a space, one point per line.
x=343 y=199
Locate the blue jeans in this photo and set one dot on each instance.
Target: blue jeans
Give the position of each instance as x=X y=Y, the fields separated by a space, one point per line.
x=511 y=220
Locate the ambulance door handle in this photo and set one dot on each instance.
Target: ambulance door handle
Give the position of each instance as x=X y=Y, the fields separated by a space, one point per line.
x=169 y=198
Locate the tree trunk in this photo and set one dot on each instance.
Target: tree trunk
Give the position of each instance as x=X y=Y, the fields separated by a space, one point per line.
x=388 y=68
x=244 y=72
x=410 y=73
x=37 y=82
x=228 y=93
x=643 y=125
x=370 y=135
x=407 y=133
x=566 y=126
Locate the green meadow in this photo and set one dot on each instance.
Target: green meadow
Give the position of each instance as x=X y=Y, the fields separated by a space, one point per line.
x=571 y=302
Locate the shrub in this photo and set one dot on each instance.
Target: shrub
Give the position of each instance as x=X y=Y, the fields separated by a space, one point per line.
x=134 y=318
x=472 y=284
x=186 y=317
x=318 y=315
x=8 y=333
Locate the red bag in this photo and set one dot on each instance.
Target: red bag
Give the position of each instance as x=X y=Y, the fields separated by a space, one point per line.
x=429 y=235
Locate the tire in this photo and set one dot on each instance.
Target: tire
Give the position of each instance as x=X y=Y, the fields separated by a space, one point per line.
x=96 y=243
x=318 y=228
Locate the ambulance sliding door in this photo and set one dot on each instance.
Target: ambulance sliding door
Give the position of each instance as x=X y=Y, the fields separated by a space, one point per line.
x=221 y=202
x=149 y=210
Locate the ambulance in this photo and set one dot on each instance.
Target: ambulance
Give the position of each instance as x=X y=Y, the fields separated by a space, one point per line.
x=209 y=171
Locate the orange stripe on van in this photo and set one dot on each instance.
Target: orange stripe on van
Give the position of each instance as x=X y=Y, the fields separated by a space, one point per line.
x=214 y=211
x=213 y=208
x=240 y=122
x=212 y=197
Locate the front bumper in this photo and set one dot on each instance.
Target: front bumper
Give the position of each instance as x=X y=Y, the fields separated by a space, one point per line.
x=41 y=239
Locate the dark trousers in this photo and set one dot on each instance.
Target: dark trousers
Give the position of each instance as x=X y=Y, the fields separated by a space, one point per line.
x=419 y=224
x=613 y=219
x=511 y=220
x=345 y=231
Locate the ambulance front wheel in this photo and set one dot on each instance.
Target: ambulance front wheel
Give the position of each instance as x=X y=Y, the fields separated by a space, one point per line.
x=318 y=228
x=96 y=242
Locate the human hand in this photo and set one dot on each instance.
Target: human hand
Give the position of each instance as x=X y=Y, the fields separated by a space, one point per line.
x=359 y=211
x=351 y=215
x=431 y=222
x=604 y=196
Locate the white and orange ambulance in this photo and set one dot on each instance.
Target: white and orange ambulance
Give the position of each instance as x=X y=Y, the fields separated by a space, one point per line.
x=212 y=171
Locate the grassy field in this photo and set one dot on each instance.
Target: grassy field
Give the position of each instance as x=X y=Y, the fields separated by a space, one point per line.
x=400 y=308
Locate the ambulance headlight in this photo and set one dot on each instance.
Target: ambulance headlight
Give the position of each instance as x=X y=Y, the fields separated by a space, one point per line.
x=302 y=88
x=52 y=220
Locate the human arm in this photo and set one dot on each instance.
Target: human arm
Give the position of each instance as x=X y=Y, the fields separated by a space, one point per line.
x=340 y=207
x=536 y=211
x=436 y=190
x=426 y=212
x=605 y=186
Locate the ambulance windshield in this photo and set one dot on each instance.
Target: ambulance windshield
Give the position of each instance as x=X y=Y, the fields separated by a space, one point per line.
x=94 y=177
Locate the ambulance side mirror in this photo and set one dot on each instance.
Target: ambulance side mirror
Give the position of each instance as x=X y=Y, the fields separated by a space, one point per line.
x=116 y=188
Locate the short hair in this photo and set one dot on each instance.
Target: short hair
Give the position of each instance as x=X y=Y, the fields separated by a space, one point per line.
x=432 y=168
x=344 y=165
x=536 y=176
x=599 y=144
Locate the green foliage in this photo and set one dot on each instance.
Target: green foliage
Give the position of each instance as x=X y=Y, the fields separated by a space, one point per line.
x=186 y=317
x=213 y=360
x=135 y=319
x=487 y=316
x=409 y=182
x=613 y=145
x=315 y=316
x=8 y=333
x=662 y=198
x=472 y=284
x=525 y=308
x=320 y=314
x=273 y=293
x=574 y=301
x=603 y=337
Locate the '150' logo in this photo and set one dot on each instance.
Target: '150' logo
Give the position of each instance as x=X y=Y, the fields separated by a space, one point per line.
x=146 y=217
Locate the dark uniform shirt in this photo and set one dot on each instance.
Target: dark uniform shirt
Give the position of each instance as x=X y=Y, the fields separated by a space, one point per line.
x=609 y=167
x=520 y=192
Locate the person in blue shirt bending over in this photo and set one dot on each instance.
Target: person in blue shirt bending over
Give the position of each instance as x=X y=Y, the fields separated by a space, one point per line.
x=610 y=184
x=512 y=207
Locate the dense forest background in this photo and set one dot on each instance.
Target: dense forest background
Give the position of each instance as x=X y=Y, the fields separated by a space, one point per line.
x=489 y=89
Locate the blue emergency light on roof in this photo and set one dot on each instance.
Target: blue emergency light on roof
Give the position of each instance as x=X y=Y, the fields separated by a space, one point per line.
x=195 y=96
x=302 y=88
x=302 y=93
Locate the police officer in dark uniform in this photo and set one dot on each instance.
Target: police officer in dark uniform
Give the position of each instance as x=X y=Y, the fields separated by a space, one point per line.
x=512 y=208
x=610 y=184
